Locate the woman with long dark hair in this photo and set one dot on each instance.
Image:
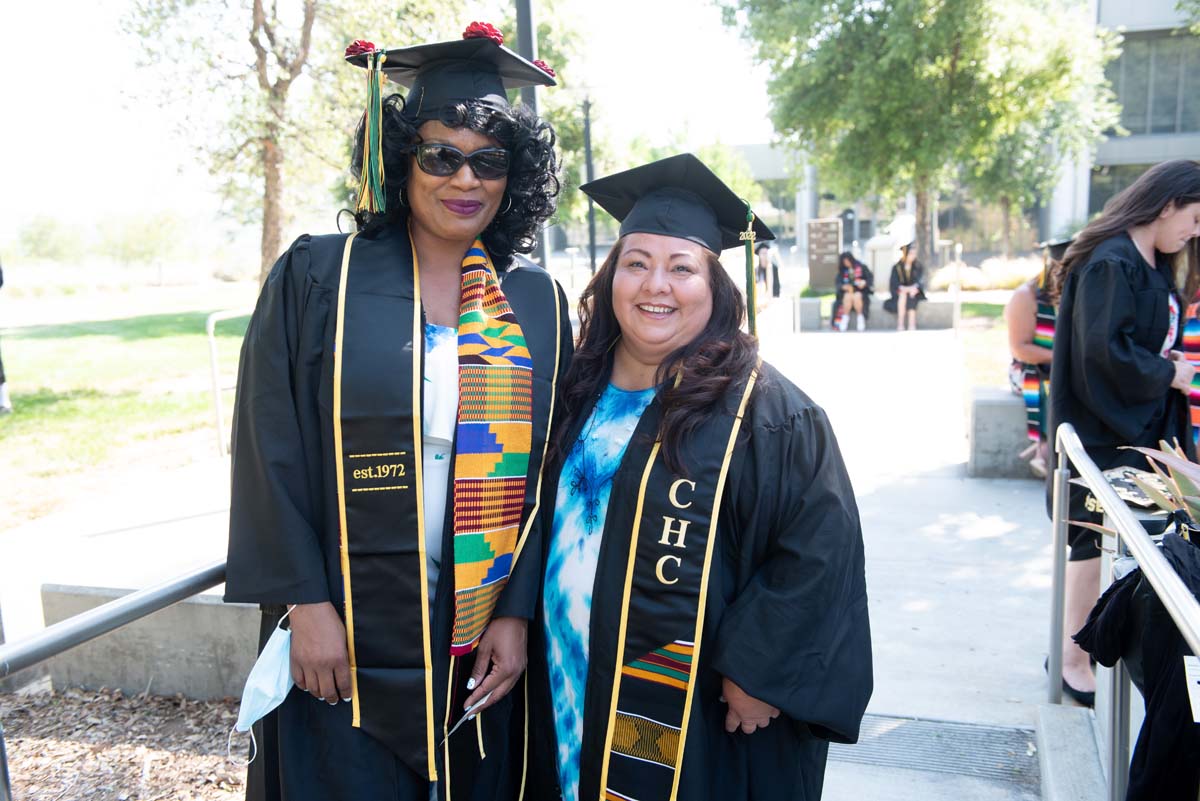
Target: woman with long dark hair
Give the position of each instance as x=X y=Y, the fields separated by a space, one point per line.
x=393 y=408
x=854 y=285
x=704 y=614
x=1117 y=373
x=907 y=287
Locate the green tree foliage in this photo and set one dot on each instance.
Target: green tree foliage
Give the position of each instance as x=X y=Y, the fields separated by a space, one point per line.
x=1191 y=12
x=891 y=96
x=559 y=45
x=264 y=94
x=726 y=162
x=140 y=240
x=1040 y=124
x=49 y=238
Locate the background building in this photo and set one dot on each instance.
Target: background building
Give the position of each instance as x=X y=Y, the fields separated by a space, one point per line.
x=1157 y=82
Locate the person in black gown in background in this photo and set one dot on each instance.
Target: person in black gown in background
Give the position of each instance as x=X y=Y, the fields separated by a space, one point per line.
x=379 y=501
x=1117 y=374
x=704 y=616
x=854 y=285
x=907 y=287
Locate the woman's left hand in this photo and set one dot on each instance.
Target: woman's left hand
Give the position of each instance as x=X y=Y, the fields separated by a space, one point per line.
x=745 y=712
x=499 y=661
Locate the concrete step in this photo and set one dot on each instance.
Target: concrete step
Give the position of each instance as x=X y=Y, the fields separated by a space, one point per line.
x=910 y=759
x=1070 y=760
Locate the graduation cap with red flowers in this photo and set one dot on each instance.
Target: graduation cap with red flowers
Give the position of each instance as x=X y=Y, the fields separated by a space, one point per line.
x=441 y=75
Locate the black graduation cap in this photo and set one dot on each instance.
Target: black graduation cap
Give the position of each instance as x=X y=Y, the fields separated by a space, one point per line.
x=1056 y=248
x=446 y=73
x=676 y=196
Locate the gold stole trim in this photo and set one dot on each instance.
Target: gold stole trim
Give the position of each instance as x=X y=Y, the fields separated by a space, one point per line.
x=708 y=552
x=339 y=459
x=339 y=454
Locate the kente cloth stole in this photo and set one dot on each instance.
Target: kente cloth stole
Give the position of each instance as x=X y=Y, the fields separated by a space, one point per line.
x=1036 y=385
x=662 y=614
x=492 y=442
x=1191 y=349
x=377 y=380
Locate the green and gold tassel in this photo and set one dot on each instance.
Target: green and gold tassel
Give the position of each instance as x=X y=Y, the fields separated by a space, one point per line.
x=370 y=184
x=747 y=236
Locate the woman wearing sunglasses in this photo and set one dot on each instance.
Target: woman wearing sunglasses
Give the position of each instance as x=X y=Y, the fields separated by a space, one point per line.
x=393 y=407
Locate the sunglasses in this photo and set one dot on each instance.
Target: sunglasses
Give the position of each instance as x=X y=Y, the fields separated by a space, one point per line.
x=488 y=164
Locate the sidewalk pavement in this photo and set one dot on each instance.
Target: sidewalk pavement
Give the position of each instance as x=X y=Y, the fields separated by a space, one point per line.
x=958 y=569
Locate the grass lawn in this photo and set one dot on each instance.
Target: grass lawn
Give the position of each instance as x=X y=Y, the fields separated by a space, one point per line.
x=990 y=311
x=86 y=393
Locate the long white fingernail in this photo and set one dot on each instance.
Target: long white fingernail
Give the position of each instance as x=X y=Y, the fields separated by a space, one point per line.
x=471 y=683
x=472 y=718
x=347 y=700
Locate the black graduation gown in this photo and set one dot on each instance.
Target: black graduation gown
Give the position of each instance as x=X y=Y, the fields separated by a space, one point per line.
x=916 y=276
x=284 y=532
x=1108 y=378
x=786 y=618
x=845 y=277
x=1130 y=622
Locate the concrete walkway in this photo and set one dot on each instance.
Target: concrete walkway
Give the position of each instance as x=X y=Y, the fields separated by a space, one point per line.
x=957 y=569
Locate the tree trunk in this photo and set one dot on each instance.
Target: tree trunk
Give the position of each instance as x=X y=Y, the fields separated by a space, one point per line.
x=924 y=230
x=1006 y=222
x=272 y=208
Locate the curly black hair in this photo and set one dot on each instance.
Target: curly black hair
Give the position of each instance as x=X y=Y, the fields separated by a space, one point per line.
x=530 y=197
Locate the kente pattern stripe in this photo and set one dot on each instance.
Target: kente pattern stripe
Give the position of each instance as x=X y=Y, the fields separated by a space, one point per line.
x=473 y=610
x=670 y=665
x=492 y=442
x=645 y=739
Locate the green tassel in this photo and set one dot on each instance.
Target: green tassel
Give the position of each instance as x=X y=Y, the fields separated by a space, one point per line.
x=747 y=236
x=371 y=196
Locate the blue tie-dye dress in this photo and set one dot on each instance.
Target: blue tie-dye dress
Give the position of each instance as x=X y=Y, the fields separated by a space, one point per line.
x=581 y=506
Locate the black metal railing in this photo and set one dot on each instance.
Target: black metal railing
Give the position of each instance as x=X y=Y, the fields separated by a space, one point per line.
x=1131 y=536
x=89 y=625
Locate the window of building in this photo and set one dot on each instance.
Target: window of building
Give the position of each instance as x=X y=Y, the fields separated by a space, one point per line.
x=1109 y=180
x=1156 y=83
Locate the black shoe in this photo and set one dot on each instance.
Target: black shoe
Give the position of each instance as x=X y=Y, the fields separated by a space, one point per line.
x=1087 y=699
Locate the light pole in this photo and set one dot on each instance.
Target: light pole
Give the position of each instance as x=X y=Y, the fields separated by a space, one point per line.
x=587 y=160
x=527 y=49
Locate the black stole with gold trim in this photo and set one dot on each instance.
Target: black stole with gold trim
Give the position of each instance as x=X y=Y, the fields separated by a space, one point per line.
x=662 y=614
x=377 y=423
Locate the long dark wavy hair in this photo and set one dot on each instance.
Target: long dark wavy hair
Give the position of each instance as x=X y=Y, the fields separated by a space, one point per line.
x=846 y=259
x=721 y=354
x=530 y=197
x=1140 y=203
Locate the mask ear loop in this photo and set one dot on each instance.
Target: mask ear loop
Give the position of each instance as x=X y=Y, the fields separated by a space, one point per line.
x=229 y=748
x=233 y=729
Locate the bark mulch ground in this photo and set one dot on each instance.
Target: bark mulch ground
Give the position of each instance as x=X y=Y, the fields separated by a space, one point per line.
x=105 y=746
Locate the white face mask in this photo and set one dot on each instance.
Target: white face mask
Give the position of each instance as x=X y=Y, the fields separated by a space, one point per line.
x=269 y=682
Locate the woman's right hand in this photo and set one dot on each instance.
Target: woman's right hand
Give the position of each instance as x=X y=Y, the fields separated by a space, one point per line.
x=320 y=662
x=1183 y=373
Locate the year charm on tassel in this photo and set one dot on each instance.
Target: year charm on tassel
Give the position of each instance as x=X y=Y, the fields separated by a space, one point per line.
x=747 y=236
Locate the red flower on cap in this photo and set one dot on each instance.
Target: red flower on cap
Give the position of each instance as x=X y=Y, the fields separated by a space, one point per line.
x=360 y=46
x=483 y=30
x=544 y=67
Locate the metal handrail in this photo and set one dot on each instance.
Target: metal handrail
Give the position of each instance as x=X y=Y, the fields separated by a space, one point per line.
x=1179 y=602
x=210 y=329
x=89 y=625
